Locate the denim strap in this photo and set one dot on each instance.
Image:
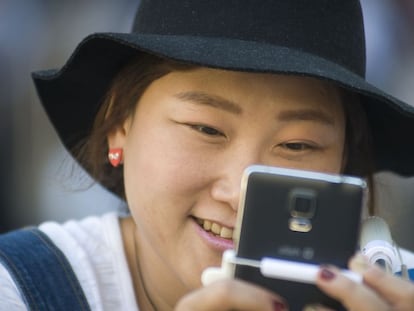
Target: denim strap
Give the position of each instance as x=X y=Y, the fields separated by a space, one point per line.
x=41 y=271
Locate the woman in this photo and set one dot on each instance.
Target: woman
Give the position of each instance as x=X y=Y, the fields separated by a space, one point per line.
x=169 y=116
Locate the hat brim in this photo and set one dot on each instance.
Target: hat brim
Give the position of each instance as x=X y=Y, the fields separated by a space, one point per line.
x=72 y=95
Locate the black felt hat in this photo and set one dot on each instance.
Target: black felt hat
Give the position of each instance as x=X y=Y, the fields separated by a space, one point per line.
x=319 y=38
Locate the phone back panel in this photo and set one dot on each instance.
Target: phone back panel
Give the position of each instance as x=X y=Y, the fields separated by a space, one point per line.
x=299 y=216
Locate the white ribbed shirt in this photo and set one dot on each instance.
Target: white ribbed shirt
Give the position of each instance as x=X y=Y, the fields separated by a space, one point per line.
x=94 y=248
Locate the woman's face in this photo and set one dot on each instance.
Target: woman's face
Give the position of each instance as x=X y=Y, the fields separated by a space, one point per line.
x=191 y=137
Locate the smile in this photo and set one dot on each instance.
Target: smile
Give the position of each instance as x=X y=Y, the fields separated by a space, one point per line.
x=215 y=228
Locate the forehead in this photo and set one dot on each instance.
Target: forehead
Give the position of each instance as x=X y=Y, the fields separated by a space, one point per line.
x=241 y=87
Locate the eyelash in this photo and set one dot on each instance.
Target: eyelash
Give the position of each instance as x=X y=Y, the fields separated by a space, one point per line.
x=206 y=130
x=298 y=146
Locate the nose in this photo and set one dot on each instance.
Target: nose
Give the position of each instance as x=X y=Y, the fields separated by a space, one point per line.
x=227 y=185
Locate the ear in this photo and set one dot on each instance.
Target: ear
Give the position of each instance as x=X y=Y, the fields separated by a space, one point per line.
x=117 y=138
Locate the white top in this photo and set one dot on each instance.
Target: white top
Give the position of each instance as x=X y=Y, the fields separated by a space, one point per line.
x=93 y=246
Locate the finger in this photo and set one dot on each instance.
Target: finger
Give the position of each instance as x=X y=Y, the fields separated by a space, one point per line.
x=395 y=290
x=354 y=296
x=231 y=295
x=316 y=307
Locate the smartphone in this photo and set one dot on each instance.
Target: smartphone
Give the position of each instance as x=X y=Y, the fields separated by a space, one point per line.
x=297 y=216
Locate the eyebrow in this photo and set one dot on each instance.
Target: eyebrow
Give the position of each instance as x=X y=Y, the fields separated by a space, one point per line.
x=306 y=115
x=210 y=100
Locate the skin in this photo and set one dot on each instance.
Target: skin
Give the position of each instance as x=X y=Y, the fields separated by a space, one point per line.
x=185 y=148
x=379 y=291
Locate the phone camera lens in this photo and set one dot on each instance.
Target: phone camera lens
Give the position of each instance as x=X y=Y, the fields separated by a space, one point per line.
x=302 y=203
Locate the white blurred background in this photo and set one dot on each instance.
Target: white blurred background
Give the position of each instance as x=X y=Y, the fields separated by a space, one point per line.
x=41 y=34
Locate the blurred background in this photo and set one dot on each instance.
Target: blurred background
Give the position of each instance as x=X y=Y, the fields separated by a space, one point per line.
x=41 y=34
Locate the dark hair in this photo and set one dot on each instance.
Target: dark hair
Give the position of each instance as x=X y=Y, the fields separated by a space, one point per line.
x=130 y=83
x=358 y=143
x=119 y=103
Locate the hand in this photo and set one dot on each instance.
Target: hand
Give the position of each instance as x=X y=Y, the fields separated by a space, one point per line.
x=379 y=290
x=231 y=294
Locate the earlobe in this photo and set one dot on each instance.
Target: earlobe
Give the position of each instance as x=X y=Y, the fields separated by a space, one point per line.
x=115 y=156
x=116 y=144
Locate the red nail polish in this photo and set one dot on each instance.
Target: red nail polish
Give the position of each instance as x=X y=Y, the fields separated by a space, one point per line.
x=278 y=306
x=327 y=274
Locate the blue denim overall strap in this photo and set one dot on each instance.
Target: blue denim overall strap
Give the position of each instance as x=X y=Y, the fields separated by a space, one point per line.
x=41 y=271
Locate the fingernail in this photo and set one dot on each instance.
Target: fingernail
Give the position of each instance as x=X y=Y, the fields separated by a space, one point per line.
x=278 y=306
x=326 y=274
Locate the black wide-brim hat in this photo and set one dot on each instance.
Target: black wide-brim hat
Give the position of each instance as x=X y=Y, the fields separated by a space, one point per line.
x=318 y=38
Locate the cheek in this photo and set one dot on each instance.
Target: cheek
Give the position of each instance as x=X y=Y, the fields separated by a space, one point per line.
x=160 y=170
x=332 y=162
x=333 y=165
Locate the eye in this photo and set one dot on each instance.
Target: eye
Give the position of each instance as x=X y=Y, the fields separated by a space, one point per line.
x=298 y=146
x=207 y=130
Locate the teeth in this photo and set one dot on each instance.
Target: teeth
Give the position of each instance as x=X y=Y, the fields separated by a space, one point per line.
x=207 y=225
x=226 y=233
x=215 y=228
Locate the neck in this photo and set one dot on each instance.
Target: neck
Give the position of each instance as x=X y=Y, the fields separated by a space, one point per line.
x=148 y=296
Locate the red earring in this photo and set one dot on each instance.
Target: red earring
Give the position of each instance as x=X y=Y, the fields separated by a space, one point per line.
x=115 y=156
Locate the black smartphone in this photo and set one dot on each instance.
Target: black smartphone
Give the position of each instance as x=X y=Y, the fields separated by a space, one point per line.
x=300 y=217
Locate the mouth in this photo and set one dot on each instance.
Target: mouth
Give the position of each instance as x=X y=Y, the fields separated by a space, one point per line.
x=215 y=228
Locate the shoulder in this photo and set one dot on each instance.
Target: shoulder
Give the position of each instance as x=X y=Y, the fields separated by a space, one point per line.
x=10 y=295
x=94 y=249
x=76 y=237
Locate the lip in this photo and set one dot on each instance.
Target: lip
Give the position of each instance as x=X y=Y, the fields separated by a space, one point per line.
x=215 y=242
